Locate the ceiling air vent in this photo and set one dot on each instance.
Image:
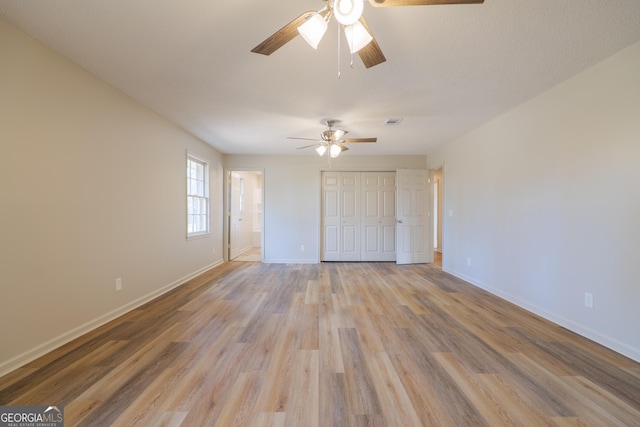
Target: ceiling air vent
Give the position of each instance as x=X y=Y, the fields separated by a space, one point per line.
x=393 y=122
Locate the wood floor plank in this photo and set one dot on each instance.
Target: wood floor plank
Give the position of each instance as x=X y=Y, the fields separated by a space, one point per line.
x=148 y=407
x=78 y=410
x=273 y=395
x=64 y=384
x=303 y=318
x=116 y=403
x=238 y=407
x=331 y=344
x=425 y=397
x=569 y=422
x=396 y=406
x=168 y=419
x=334 y=409
x=368 y=336
x=558 y=389
x=361 y=393
x=604 y=400
x=495 y=412
x=207 y=399
x=207 y=365
x=305 y=382
x=116 y=378
x=329 y=340
x=516 y=403
x=268 y=419
x=312 y=295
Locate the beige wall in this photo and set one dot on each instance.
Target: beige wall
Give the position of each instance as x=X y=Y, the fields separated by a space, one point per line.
x=92 y=188
x=546 y=203
x=292 y=197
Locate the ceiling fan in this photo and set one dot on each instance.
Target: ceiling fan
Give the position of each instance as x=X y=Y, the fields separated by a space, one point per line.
x=312 y=25
x=332 y=140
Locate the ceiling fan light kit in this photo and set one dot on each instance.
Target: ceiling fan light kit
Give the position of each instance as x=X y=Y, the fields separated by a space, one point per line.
x=348 y=12
x=357 y=36
x=313 y=29
x=334 y=150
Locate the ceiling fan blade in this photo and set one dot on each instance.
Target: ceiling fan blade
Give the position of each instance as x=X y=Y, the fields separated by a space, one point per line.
x=307 y=146
x=371 y=54
x=359 y=140
x=282 y=36
x=389 y=3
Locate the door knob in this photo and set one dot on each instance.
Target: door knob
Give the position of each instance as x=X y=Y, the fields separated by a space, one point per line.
x=399 y=221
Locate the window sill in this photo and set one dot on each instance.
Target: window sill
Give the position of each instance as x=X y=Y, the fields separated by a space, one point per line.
x=196 y=236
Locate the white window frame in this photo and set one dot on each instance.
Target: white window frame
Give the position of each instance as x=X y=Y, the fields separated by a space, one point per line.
x=197 y=198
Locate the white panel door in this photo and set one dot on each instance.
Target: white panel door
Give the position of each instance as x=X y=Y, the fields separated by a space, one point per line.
x=359 y=216
x=350 y=216
x=235 y=217
x=412 y=216
x=378 y=240
x=331 y=223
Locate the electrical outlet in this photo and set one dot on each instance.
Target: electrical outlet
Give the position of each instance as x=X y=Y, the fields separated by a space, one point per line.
x=588 y=300
x=118 y=283
x=469 y=261
x=301 y=248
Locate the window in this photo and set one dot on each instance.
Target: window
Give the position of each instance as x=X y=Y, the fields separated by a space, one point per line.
x=197 y=196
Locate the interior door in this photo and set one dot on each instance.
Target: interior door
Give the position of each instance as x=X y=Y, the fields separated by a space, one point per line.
x=350 y=216
x=341 y=216
x=235 y=218
x=378 y=196
x=412 y=216
x=331 y=235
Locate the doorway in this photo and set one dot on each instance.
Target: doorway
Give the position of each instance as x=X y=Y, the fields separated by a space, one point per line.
x=244 y=215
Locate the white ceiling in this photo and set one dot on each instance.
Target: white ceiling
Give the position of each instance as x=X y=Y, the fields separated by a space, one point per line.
x=449 y=68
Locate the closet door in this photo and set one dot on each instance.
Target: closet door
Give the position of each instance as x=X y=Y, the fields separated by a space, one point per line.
x=331 y=235
x=350 y=216
x=378 y=198
x=341 y=216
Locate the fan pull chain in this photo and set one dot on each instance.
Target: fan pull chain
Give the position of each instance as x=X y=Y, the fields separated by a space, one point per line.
x=338 y=63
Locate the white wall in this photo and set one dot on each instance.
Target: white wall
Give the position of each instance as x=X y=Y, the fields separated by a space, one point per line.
x=292 y=197
x=92 y=188
x=546 y=203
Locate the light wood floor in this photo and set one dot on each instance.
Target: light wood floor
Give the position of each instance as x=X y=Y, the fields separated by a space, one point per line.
x=251 y=254
x=332 y=344
x=437 y=258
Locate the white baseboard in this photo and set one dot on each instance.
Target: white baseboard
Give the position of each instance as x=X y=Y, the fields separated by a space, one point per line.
x=613 y=344
x=46 y=347
x=245 y=249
